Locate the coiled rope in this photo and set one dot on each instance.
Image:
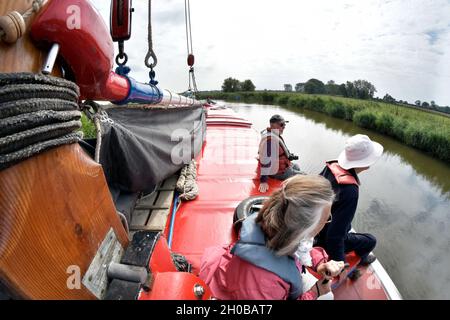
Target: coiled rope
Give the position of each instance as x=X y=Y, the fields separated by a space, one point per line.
x=187 y=184
x=37 y=113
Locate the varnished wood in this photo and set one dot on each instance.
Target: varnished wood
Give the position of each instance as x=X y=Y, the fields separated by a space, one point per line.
x=22 y=56
x=55 y=210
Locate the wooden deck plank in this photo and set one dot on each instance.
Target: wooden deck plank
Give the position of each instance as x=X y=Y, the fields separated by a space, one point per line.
x=139 y=218
x=148 y=200
x=158 y=220
x=164 y=199
x=158 y=217
x=169 y=183
x=151 y=212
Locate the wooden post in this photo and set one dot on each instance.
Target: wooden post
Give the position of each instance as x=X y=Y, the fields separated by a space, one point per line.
x=55 y=208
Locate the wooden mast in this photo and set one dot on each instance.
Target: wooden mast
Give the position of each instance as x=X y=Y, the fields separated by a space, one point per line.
x=55 y=208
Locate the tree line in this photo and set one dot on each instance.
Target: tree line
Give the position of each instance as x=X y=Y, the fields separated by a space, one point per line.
x=358 y=89
x=234 y=85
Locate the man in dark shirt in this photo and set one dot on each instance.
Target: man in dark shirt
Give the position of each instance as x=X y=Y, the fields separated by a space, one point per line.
x=359 y=154
x=274 y=156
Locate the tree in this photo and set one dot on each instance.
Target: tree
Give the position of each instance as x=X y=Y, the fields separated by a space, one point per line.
x=332 y=88
x=314 y=86
x=364 y=89
x=417 y=103
x=425 y=104
x=300 y=87
x=288 y=87
x=247 y=85
x=389 y=99
x=231 y=85
x=343 y=90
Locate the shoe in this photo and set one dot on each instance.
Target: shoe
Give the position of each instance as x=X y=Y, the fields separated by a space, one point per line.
x=368 y=260
x=355 y=274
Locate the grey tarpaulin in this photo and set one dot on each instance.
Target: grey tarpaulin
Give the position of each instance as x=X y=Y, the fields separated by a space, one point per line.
x=136 y=150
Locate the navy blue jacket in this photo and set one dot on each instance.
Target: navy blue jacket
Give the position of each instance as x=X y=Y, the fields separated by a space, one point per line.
x=333 y=235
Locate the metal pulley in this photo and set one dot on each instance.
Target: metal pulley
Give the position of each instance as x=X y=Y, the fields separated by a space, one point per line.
x=120 y=23
x=12 y=27
x=190 y=60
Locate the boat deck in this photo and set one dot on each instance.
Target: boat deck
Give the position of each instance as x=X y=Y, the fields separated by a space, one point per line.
x=227 y=174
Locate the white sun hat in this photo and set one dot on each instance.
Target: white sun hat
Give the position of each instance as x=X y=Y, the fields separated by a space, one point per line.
x=360 y=152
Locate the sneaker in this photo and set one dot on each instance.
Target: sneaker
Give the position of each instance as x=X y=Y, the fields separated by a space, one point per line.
x=368 y=260
x=355 y=274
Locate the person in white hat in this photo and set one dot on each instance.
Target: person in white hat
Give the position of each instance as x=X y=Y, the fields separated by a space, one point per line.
x=359 y=154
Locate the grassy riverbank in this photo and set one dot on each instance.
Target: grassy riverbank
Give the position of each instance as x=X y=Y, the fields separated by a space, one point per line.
x=423 y=130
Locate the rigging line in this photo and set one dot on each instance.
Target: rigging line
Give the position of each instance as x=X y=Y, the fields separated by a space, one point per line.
x=190 y=26
x=150 y=52
x=186 y=24
x=194 y=82
x=187 y=17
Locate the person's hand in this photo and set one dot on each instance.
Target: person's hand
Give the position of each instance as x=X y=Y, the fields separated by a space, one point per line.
x=330 y=269
x=263 y=187
x=324 y=288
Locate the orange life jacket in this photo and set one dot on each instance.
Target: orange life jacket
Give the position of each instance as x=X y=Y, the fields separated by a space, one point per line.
x=341 y=175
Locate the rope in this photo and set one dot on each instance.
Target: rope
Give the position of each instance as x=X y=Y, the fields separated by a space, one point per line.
x=187 y=17
x=192 y=84
x=186 y=184
x=35 y=7
x=181 y=263
x=98 y=143
x=150 y=52
x=13 y=25
x=124 y=221
x=37 y=113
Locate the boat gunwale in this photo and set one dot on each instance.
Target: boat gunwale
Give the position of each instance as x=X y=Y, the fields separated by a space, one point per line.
x=385 y=280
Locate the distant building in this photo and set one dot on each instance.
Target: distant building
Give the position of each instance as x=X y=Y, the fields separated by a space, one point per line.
x=288 y=87
x=300 y=87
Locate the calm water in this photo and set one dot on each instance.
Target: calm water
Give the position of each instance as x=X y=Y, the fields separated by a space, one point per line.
x=404 y=197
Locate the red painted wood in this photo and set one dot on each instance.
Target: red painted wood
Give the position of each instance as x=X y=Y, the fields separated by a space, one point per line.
x=161 y=260
x=175 y=286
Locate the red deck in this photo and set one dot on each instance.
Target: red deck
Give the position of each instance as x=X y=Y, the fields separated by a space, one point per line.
x=227 y=174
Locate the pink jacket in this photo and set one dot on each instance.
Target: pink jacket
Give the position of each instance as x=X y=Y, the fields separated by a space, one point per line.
x=231 y=278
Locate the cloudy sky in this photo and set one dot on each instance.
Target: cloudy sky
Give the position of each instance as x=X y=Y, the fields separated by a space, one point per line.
x=401 y=46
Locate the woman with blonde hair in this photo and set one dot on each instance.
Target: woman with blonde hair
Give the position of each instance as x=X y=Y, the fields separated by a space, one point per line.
x=274 y=246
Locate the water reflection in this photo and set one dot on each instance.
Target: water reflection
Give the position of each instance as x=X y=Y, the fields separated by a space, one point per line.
x=404 y=197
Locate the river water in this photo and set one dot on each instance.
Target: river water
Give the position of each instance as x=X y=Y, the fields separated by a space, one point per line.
x=404 y=198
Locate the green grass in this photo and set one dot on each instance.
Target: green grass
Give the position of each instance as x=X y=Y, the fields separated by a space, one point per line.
x=426 y=131
x=88 y=127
